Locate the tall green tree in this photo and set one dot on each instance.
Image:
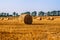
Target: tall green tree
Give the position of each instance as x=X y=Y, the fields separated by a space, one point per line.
x=48 y=13
x=34 y=13
x=41 y=13
x=15 y=14
x=7 y=14
x=58 y=12
x=54 y=13
x=3 y=14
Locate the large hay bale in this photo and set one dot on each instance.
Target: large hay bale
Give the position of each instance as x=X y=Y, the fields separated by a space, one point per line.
x=25 y=18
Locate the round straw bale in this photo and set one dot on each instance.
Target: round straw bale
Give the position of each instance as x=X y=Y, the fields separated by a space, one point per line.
x=39 y=18
x=25 y=18
x=5 y=18
x=50 y=18
x=1 y=18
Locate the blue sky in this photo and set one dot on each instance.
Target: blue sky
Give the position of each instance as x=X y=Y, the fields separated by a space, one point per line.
x=28 y=5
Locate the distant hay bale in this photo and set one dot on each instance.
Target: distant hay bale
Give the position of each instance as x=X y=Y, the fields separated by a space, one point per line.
x=1 y=18
x=25 y=18
x=50 y=18
x=39 y=18
x=6 y=18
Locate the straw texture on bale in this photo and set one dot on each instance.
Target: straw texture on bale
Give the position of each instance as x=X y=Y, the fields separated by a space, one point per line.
x=25 y=18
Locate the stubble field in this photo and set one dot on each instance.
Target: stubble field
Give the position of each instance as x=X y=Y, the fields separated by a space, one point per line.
x=39 y=30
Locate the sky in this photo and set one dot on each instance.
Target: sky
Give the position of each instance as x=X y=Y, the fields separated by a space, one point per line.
x=20 y=6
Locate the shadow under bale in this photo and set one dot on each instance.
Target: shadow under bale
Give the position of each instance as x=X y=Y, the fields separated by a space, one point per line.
x=25 y=19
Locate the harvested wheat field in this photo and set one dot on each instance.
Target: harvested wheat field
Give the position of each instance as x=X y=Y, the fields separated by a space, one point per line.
x=43 y=28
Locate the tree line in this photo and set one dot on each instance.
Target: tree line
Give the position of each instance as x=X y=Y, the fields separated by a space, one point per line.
x=41 y=13
x=8 y=15
x=34 y=13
